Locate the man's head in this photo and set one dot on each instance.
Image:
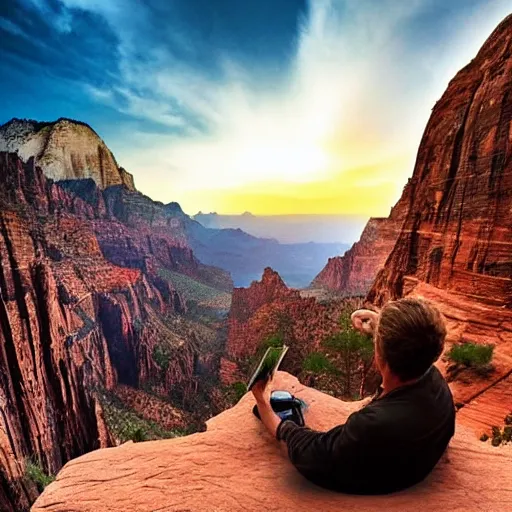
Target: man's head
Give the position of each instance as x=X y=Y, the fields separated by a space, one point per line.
x=409 y=337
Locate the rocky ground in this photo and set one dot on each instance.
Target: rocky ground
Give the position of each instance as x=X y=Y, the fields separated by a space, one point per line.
x=235 y=465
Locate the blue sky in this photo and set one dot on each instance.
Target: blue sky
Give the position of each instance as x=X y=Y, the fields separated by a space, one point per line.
x=279 y=105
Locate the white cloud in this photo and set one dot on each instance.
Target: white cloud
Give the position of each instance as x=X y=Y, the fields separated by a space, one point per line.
x=357 y=95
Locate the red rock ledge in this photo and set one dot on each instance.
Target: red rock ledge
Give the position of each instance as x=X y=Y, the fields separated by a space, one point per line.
x=221 y=471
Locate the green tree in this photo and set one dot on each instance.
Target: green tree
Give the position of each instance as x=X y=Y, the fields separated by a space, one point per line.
x=353 y=353
x=317 y=362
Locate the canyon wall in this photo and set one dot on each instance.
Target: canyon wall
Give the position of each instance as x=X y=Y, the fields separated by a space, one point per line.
x=353 y=273
x=455 y=246
x=457 y=235
x=82 y=307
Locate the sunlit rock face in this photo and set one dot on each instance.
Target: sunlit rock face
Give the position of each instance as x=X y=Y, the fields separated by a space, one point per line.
x=457 y=236
x=455 y=246
x=353 y=273
x=236 y=466
x=64 y=149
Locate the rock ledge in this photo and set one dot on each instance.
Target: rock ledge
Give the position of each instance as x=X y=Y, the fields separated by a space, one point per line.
x=235 y=465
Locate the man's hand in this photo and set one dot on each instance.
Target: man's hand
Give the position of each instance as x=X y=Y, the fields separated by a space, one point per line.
x=365 y=321
x=261 y=391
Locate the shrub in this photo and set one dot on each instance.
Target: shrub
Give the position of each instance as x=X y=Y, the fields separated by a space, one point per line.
x=161 y=356
x=275 y=341
x=316 y=362
x=135 y=433
x=239 y=389
x=499 y=436
x=473 y=355
x=35 y=473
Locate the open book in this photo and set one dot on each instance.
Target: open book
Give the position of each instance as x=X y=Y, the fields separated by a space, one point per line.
x=268 y=365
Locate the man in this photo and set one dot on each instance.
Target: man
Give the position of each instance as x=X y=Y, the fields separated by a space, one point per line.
x=396 y=440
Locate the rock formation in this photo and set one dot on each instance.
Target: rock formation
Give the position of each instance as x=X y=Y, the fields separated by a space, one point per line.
x=64 y=149
x=353 y=273
x=456 y=242
x=83 y=306
x=236 y=466
x=455 y=246
x=268 y=308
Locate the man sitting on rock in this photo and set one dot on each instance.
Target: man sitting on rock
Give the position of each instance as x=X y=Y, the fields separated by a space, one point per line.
x=395 y=440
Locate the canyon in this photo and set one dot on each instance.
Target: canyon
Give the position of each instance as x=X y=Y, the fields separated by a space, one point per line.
x=87 y=302
x=95 y=284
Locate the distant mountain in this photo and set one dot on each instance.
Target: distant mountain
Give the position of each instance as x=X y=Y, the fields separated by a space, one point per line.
x=72 y=153
x=290 y=229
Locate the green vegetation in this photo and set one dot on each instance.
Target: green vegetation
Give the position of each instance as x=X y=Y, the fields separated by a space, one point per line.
x=275 y=341
x=472 y=355
x=162 y=356
x=196 y=291
x=352 y=354
x=316 y=362
x=125 y=425
x=235 y=392
x=35 y=473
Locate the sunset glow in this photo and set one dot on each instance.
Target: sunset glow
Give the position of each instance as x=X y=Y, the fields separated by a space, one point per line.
x=313 y=107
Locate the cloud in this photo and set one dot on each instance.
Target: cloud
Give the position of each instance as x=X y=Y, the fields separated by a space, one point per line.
x=343 y=114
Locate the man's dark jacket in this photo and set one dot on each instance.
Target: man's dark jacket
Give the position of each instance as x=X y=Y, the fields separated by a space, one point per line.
x=392 y=443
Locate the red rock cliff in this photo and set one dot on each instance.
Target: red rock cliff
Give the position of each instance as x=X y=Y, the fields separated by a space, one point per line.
x=269 y=307
x=457 y=235
x=71 y=321
x=353 y=273
x=455 y=245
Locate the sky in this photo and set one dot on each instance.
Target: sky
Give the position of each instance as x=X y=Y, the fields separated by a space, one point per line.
x=268 y=106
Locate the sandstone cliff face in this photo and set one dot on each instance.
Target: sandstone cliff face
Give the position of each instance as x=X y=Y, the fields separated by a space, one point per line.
x=353 y=273
x=457 y=235
x=64 y=149
x=249 y=471
x=74 y=317
x=455 y=246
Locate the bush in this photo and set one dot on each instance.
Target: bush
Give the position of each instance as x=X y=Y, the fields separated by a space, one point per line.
x=500 y=436
x=239 y=390
x=134 y=433
x=35 y=473
x=161 y=356
x=317 y=363
x=473 y=355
